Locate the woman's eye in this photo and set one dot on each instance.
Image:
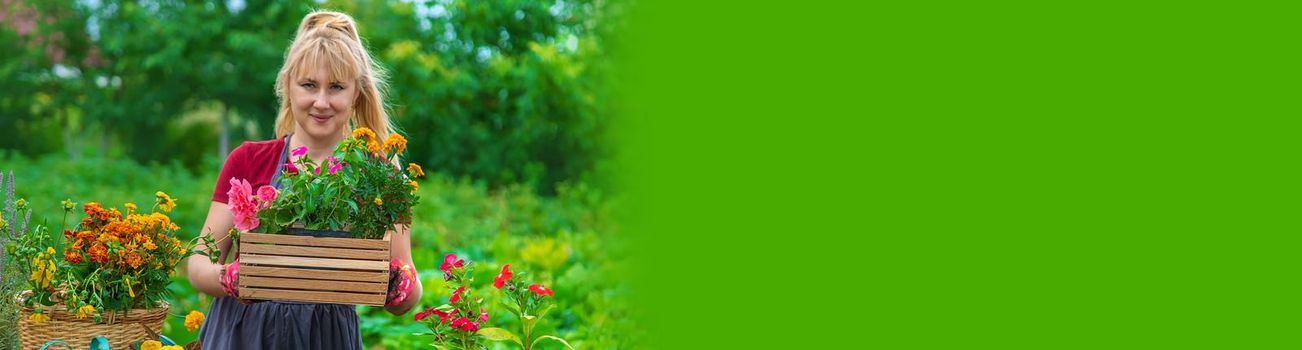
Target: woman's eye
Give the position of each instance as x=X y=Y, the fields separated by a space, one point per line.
x=337 y=87
x=307 y=85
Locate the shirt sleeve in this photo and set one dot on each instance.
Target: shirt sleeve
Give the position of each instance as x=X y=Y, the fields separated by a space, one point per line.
x=233 y=167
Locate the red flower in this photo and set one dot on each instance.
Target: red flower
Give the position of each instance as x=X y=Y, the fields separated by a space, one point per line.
x=450 y=261
x=465 y=324
x=501 y=278
x=444 y=316
x=540 y=289
x=459 y=321
x=483 y=315
x=456 y=295
x=423 y=314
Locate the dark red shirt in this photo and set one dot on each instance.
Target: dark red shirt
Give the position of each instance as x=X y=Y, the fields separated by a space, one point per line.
x=255 y=162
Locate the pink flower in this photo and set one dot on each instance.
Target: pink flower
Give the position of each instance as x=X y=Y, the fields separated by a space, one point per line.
x=290 y=168
x=335 y=167
x=456 y=295
x=483 y=315
x=240 y=199
x=450 y=261
x=267 y=194
x=301 y=150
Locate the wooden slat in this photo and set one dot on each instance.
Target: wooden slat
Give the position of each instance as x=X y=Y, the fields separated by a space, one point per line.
x=294 y=261
x=314 y=241
x=334 y=275
x=340 y=253
x=294 y=283
x=312 y=296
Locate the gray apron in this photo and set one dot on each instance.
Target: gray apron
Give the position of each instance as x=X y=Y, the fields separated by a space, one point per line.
x=280 y=324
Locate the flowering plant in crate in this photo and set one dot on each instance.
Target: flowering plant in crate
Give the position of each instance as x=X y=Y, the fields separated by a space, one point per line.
x=357 y=189
x=458 y=326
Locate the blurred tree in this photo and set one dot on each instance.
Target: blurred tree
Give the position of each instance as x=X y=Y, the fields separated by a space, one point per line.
x=505 y=91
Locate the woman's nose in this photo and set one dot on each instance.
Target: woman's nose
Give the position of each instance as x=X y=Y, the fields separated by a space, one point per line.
x=321 y=102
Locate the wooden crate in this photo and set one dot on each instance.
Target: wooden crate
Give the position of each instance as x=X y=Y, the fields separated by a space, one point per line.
x=314 y=269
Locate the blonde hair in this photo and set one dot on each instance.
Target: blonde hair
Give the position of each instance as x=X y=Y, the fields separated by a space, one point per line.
x=329 y=39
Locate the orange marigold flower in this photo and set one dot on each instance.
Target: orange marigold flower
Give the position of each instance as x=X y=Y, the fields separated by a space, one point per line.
x=395 y=143
x=131 y=207
x=97 y=253
x=414 y=186
x=364 y=134
x=193 y=320
x=415 y=170
x=132 y=259
x=72 y=257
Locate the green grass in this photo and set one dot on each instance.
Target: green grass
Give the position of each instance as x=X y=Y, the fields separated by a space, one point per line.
x=569 y=241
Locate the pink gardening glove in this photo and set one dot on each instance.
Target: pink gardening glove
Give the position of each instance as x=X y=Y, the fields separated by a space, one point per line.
x=230 y=279
x=402 y=278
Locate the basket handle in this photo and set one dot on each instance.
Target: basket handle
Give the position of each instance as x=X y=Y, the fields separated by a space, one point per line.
x=55 y=342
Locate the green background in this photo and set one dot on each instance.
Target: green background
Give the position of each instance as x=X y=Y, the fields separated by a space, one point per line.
x=980 y=175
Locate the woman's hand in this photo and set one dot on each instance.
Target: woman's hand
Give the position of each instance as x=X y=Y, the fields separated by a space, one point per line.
x=230 y=279
x=402 y=278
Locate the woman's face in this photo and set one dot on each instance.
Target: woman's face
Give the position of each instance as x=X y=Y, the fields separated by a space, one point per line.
x=321 y=106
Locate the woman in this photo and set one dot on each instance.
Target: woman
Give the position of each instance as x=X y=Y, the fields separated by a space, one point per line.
x=327 y=86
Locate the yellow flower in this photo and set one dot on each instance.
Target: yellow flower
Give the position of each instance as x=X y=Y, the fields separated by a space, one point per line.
x=85 y=311
x=378 y=201
x=43 y=272
x=172 y=347
x=38 y=318
x=68 y=204
x=149 y=244
x=395 y=142
x=165 y=202
x=151 y=345
x=415 y=170
x=414 y=186
x=131 y=207
x=193 y=320
x=21 y=203
x=2 y=223
x=49 y=274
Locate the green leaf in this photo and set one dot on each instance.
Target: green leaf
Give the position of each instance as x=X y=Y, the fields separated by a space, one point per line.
x=498 y=334
x=544 y=312
x=513 y=308
x=535 y=341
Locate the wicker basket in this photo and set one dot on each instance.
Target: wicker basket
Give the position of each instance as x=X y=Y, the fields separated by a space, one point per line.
x=120 y=330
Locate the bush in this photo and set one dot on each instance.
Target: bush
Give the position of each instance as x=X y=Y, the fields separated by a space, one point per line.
x=569 y=241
